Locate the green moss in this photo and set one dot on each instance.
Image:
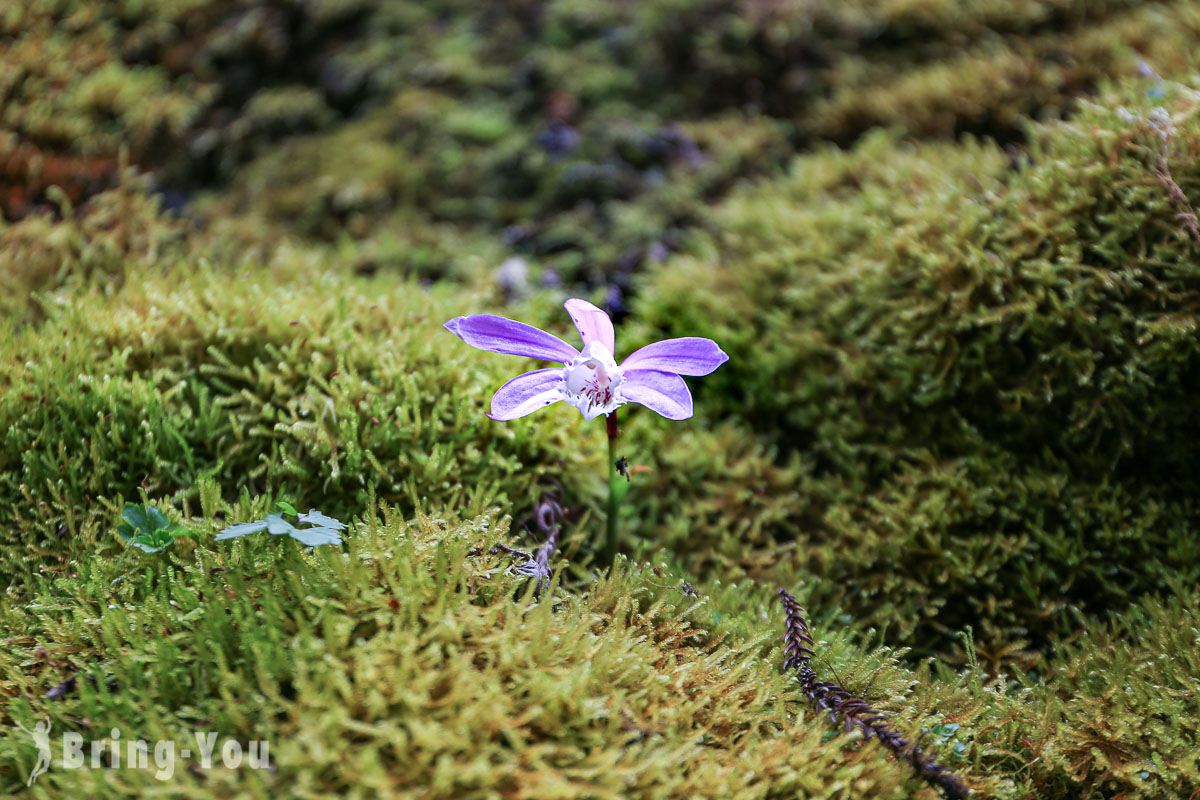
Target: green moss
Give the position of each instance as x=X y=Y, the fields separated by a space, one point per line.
x=423 y=654
x=992 y=87
x=1124 y=712
x=120 y=234
x=986 y=375
x=417 y=647
x=322 y=389
x=338 y=118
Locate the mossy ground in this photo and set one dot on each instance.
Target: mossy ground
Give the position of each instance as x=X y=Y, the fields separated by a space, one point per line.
x=951 y=250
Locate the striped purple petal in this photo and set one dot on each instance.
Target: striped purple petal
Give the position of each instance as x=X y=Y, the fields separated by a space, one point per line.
x=690 y=355
x=661 y=392
x=526 y=393
x=593 y=324
x=501 y=335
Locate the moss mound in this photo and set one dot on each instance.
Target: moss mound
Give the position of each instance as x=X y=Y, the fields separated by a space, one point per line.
x=984 y=374
x=587 y=138
x=415 y=662
x=323 y=389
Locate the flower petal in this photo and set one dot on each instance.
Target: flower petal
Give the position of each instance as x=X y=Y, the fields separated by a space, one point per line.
x=662 y=392
x=593 y=324
x=526 y=393
x=500 y=335
x=690 y=355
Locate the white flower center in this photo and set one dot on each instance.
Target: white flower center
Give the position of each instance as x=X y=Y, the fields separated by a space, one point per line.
x=591 y=382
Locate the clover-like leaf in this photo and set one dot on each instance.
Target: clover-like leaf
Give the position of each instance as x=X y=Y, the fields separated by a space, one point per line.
x=314 y=517
x=316 y=536
x=242 y=529
x=147 y=528
x=277 y=525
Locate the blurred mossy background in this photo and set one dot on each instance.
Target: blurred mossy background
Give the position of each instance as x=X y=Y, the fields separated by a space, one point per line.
x=950 y=247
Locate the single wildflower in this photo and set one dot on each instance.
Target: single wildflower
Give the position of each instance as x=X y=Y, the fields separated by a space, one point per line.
x=589 y=379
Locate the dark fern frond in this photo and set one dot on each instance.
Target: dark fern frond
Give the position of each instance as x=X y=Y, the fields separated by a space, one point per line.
x=854 y=712
x=797 y=640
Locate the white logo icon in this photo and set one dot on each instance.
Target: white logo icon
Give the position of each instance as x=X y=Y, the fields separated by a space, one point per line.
x=41 y=739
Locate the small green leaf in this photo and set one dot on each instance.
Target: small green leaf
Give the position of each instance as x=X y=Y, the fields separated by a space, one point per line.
x=316 y=536
x=135 y=517
x=147 y=528
x=241 y=529
x=314 y=517
x=143 y=544
x=286 y=507
x=156 y=519
x=154 y=542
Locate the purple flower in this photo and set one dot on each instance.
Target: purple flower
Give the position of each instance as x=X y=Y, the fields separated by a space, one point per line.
x=590 y=380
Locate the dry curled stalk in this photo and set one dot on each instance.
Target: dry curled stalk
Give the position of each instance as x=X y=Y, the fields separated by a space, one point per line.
x=1179 y=201
x=539 y=566
x=546 y=515
x=855 y=712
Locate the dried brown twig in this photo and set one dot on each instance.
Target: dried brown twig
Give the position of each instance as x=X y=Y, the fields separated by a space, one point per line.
x=855 y=712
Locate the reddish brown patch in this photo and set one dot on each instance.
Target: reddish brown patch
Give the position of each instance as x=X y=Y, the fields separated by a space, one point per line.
x=27 y=171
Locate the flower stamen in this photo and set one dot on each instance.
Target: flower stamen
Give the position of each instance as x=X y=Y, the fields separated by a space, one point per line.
x=591 y=382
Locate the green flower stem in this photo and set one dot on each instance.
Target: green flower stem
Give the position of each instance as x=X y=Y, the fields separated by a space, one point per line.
x=612 y=537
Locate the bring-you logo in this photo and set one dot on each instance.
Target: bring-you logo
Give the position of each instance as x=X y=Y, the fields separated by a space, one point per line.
x=162 y=755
